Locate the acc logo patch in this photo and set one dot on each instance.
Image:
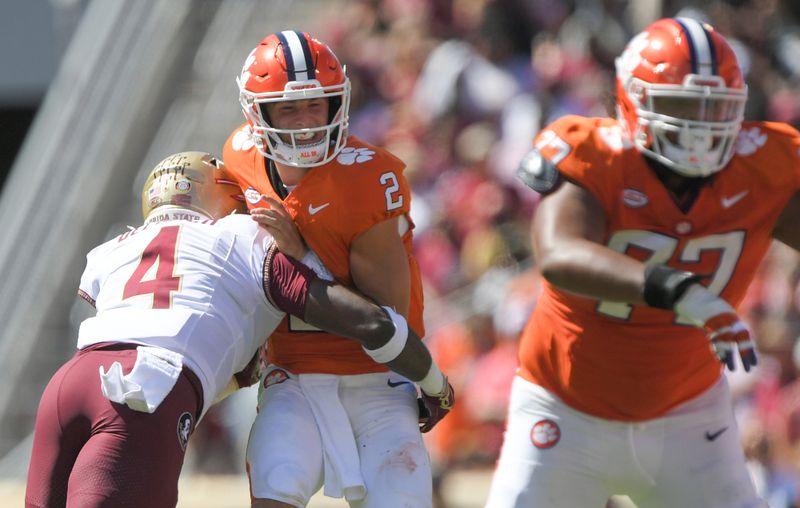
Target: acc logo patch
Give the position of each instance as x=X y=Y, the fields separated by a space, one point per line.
x=634 y=198
x=545 y=434
x=275 y=377
x=185 y=429
x=252 y=195
x=683 y=227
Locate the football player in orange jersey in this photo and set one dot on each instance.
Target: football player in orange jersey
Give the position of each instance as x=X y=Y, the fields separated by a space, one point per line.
x=649 y=231
x=329 y=414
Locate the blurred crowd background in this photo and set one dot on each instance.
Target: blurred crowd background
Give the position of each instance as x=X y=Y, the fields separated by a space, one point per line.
x=458 y=89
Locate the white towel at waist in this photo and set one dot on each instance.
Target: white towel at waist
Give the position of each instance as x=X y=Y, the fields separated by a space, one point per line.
x=340 y=452
x=149 y=382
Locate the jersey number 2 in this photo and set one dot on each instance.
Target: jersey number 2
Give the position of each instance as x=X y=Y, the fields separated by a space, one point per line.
x=160 y=252
x=392 y=201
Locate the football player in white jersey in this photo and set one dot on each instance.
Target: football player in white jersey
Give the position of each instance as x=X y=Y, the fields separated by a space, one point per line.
x=183 y=304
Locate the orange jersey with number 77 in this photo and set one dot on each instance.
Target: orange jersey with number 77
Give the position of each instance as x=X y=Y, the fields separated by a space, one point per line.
x=632 y=362
x=331 y=206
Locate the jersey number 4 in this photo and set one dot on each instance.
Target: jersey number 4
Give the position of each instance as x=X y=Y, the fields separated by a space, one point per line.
x=155 y=272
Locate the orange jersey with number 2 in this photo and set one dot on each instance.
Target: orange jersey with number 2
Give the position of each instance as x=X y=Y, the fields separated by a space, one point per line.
x=630 y=362
x=331 y=206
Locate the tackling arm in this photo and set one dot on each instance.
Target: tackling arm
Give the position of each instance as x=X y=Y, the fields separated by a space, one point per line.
x=383 y=334
x=335 y=308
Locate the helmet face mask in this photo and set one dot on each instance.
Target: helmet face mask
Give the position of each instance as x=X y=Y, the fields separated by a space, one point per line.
x=292 y=66
x=195 y=181
x=681 y=96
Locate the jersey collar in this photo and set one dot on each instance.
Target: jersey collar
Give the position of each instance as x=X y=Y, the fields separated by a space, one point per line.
x=175 y=213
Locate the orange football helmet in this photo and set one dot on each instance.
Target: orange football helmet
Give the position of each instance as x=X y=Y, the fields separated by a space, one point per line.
x=193 y=180
x=681 y=95
x=292 y=65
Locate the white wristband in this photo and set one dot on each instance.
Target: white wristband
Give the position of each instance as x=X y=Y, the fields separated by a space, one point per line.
x=434 y=381
x=396 y=344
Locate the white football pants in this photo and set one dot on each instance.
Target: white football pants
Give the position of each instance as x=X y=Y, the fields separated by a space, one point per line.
x=356 y=435
x=556 y=457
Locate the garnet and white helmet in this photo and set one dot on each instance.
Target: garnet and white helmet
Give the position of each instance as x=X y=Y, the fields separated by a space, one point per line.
x=292 y=65
x=681 y=95
x=195 y=181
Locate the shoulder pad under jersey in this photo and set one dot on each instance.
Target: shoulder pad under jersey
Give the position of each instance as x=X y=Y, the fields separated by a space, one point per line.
x=539 y=173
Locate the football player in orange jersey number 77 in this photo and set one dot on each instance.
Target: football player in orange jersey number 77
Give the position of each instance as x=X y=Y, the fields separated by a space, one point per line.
x=329 y=414
x=650 y=229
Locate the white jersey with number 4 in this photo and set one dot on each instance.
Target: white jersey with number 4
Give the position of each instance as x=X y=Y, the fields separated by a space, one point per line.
x=191 y=286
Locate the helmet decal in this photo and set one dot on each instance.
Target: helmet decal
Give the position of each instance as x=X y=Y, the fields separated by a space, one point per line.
x=701 y=47
x=196 y=181
x=299 y=63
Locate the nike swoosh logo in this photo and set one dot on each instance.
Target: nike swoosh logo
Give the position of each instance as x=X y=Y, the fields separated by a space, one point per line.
x=396 y=383
x=728 y=202
x=710 y=436
x=314 y=209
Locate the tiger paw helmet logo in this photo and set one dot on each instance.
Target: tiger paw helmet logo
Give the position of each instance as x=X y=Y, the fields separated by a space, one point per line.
x=185 y=429
x=545 y=434
x=350 y=155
